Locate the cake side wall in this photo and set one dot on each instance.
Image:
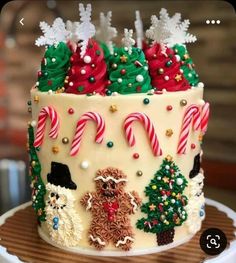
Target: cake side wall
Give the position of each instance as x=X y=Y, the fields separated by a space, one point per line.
x=100 y=156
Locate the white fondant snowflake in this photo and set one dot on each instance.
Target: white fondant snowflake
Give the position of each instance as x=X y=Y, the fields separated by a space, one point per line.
x=71 y=27
x=127 y=40
x=85 y=29
x=106 y=32
x=158 y=32
x=52 y=35
x=139 y=29
x=178 y=30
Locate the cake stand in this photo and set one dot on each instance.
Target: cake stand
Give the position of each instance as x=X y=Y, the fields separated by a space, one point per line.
x=20 y=242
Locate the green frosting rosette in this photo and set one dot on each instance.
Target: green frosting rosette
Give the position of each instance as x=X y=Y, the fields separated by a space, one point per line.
x=106 y=51
x=187 y=64
x=54 y=67
x=128 y=71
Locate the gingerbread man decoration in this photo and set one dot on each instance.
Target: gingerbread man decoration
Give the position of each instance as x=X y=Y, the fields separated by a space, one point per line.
x=111 y=206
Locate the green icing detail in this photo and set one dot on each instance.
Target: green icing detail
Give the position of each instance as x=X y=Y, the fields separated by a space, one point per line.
x=188 y=70
x=135 y=65
x=80 y=88
x=56 y=67
x=38 y=186
x=106 y=51
x=173 y=212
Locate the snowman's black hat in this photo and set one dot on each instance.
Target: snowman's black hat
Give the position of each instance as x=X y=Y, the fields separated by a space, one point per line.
x=60 y=175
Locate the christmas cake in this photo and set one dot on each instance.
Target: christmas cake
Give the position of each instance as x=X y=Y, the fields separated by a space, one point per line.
x=115 y=136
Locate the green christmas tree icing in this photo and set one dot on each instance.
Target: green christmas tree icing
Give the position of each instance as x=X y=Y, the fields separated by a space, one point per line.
x=187 y=64
x=38 y=187
x=166 y=206
x=54 y=67
x=128 y=73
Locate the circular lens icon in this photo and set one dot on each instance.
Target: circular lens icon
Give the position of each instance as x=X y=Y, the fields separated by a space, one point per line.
x=213 y=241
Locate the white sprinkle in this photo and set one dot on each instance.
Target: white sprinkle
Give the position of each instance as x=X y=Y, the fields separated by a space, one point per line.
x=50 y=92
x=190 y=75
x=37 y=83
x=200 y=85
x=87 y=59
x=172 y=201
x=139 y=78
x=166 y=78
x=119 y=80
x=84 y=165
x=167 y=167
x=71 y=84
x=53 y=60
x=126 y=49
x=114 y=93
x=83 y=71
x=177 y=58
x=33 y=123
x=181 y=71
x=179 y=181
x=146 y=67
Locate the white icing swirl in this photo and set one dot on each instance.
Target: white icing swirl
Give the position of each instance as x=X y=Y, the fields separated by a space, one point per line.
x=122 y=242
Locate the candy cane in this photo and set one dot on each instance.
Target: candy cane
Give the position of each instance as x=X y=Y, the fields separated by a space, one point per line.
x=80 y=130
x=148 y=125
x=55 y=124
x=191 y=113
x=205 y=117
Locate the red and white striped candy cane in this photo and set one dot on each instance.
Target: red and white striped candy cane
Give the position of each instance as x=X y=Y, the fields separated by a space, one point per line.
x=148 y=125
x=205 y=117
x=80 y=130
x=42 y=119
x=191 y=115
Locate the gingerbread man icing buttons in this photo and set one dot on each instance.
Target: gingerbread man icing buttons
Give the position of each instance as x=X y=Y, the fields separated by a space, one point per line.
x=111 y=206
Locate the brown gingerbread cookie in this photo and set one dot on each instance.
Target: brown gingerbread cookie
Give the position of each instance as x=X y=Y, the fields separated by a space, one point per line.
x=111 y=206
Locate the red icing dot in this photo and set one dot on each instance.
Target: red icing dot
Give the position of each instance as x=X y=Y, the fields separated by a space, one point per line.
x=163 y=192
x=193 y=146
x=49 y=83
x=123 y=71
x=138 y=89
x=172 y=171
x=108 y=82
x=169 y=107
x=39 y=73
x=70 y=111
x=136 y=155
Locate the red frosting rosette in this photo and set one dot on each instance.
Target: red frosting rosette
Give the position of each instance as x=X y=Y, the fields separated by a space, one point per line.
x=89 y=73
x=164 y=68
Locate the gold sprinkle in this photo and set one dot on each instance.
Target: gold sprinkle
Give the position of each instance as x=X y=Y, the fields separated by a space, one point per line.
x=183 y=102
x=55 y=149
x=169 y=158
x=169 y=132
x=36 y=99
x=113 y=108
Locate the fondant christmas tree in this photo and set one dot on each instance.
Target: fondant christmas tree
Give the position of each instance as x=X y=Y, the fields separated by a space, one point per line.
x=177 y=40
x=37 y=184
x=56 y=60
x=164 y=66
x=105 y=34
x=88 y=71
x=165 y=208
x=128 y=69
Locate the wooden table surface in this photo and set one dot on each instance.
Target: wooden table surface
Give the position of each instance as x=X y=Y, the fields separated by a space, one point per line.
x=19 y=235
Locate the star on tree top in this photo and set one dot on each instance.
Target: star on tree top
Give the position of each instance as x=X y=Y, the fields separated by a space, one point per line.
x=139 y=29
x=106 y=32
x=127 y=40
x=85 y=29
x=52 y=35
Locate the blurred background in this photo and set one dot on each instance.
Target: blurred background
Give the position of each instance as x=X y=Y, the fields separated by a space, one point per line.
x=213 y=55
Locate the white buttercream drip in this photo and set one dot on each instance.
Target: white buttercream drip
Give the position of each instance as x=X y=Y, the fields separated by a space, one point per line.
x=105 y=179
x=97 y=239
x=135 y=206
x=122 y=242
x=89 y=202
